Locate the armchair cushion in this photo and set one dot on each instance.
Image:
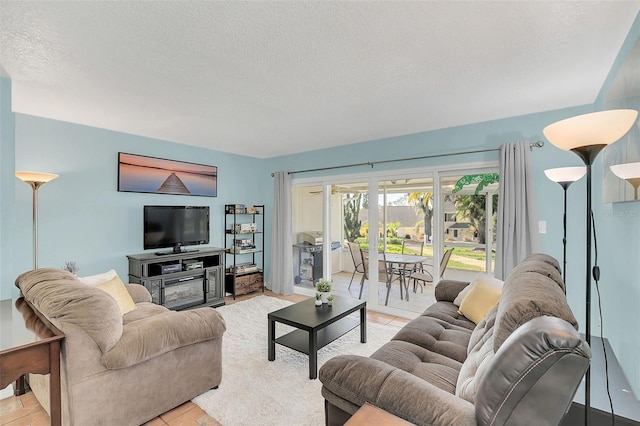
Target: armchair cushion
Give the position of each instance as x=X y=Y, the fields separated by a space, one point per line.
x=116 y=289
x=138 y=293
x=94 y=280
x=68 y=303
x=153 y=336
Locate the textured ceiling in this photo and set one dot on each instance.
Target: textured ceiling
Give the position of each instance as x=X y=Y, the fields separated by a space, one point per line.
x=273 y=78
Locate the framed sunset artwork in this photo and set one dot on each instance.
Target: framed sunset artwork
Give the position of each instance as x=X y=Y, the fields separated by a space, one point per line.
x=139 y=173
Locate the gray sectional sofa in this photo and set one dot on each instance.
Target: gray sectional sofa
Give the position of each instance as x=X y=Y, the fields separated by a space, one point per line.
x=521 y=365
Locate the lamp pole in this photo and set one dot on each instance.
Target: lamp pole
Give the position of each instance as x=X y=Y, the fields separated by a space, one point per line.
x=588 y=154
x=565 y=176
x=586 y=135
x=35 y=180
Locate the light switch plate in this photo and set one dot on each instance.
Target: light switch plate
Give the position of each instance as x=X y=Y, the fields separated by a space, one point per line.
x=542 y=226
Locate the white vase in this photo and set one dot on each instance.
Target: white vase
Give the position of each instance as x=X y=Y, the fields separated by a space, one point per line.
x=318 y=302
x=325 y=294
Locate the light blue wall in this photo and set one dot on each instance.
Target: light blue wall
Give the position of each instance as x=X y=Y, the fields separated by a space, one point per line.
x=7 y=133
x=618 y=226
x=82 y=217
x=486 y=135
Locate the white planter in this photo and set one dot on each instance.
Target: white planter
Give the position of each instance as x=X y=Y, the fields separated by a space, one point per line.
x=325 y=294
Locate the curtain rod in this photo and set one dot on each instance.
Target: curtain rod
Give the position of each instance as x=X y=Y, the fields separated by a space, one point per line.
x=532 y=145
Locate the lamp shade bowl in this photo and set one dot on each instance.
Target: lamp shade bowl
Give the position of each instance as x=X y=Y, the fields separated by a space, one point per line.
x=565 y=174
x=596 y=128
x=629 y=172
x=35 y=177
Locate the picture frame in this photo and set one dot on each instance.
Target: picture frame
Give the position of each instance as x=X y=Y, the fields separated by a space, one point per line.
x=141 y=173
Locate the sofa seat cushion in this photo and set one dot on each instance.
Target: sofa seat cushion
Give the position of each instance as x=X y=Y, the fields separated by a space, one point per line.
x=153 y=336
x=144 y=310
x=438 y=335
x=432 y=367
x=448 y=312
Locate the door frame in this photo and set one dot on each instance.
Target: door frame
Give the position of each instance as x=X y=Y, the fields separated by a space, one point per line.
x=373 y=178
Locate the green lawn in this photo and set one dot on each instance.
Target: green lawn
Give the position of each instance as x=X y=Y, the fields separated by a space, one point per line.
x=394 y=245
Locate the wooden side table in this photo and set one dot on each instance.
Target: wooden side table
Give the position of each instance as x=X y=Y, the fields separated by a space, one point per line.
x=370 y=415
x=29 y=344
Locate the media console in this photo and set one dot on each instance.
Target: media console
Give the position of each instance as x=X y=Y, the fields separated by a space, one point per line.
x=181 y=280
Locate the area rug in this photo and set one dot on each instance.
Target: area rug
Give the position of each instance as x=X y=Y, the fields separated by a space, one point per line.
x=255 y=391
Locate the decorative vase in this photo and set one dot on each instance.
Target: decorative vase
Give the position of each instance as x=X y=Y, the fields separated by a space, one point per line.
x=330 y=302
x=318 y=302
x=325 y=295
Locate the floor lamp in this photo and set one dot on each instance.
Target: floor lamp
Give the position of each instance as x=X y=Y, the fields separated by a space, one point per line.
x=586 y=135
x=629 y=172
x=565 y=176
x=35 y=180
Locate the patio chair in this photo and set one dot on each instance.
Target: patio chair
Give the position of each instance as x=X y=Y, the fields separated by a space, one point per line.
x=422 y=276
x=358 y=262
x=384 y=274
x=404 y=269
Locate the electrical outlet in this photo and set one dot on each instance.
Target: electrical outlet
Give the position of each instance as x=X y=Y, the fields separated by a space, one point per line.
x=542 y=226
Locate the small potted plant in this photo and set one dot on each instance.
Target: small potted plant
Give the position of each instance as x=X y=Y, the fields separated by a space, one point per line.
x=330 y=300
x=318 y=299
x=324 y=288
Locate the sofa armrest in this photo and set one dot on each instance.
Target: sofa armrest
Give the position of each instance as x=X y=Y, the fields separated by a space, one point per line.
x=358 y=380
x=447 y=290
x=153 y=336
x=139 y=293
x=541 y=364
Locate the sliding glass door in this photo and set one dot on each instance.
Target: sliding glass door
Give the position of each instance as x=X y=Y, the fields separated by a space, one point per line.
x=374 y=235
x=405 y=213
x=469 y=212
x=307 y=226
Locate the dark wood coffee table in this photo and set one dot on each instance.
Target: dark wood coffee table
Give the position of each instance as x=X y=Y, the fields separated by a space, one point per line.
x=317 y=326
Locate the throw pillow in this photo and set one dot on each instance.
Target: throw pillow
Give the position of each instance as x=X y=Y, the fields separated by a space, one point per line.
x=479 y=301
x=94 y=280
x=116 y=289
x=487 y=279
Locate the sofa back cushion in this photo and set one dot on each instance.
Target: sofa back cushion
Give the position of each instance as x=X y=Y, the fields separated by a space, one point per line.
x=59 y=296
x=479 y=356
x=527 y=295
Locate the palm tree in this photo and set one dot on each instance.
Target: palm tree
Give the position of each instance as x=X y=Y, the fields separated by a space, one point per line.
x=472 y=208
x=424 y=204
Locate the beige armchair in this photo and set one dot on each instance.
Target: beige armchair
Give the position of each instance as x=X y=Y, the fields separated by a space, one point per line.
x=123 y=369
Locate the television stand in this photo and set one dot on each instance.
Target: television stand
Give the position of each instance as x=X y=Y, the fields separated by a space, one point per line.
x=184 y=280
x=166 y=253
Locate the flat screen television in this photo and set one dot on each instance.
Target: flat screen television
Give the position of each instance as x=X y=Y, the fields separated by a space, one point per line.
x=175 y=227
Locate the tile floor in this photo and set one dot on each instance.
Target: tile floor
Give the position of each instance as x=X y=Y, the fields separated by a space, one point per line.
x=25 y=410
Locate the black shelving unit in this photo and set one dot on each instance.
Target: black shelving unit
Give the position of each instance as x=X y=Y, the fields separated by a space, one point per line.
x=244 y=247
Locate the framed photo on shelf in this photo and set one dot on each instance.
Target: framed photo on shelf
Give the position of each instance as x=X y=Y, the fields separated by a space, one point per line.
x=139 y=173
